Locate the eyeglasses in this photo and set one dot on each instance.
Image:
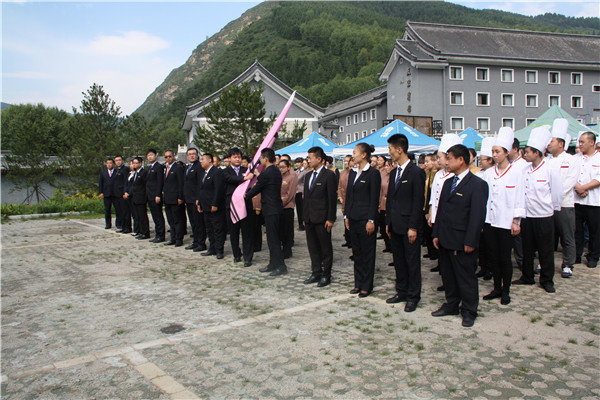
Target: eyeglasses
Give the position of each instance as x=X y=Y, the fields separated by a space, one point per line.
x=168 y=156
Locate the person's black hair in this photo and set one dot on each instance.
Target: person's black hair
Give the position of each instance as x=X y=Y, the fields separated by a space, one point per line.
x=589 y=135
x=516 y=144
x=285 y=161
x=421 y=159
x=152 y=151
x=298 y=160
x=208 y=155
x=247 y=159
x=473 y=153
x=118 y=156
x=213 y=157
x=411 y=156
x=234 y=151
x=286 y=155
x=459 y=150
x=269 y=154
x=329 y=159
x=181 y=163
x=534 y=150
x=110 y=159
x=140 y=159
x=348 y=156
x=318 y=152
x=193 y=149
x=399 y=140
x=366 y=148
x=562 y=141
x=170 y=151
x=384 y=157
x=389 y=162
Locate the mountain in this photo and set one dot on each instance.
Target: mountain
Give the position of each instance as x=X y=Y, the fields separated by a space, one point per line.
x=4 y=105
x=327 y=51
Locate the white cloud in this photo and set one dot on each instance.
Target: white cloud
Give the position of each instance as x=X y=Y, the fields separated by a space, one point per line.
x=27 y=75
x=129 y=43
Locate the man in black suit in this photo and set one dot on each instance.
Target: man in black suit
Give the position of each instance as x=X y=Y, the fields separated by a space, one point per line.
x=211 y=203
x=173 y=196
x=404 y=214
x=154 y=185
x=127 y=196
x=106 y=185
x=268 y=185
x=123 y=220
x=233 y=176
x=319 y=209
x=456 y=233
x=140 y=198
x=191 y=192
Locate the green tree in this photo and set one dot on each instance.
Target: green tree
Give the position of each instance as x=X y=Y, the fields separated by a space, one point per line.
x=136 y=136
x=236 y=119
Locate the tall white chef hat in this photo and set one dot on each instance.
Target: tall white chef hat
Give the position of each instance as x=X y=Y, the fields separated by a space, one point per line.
x=539 y=138
x=486 y=146
x=560 y=127
x=449 y=140
x=506 y=137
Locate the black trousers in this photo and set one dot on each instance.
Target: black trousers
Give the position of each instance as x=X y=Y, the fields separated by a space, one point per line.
x=428 y=239
x=141 y=215
x=498 y=244
x=320 y=249
x=363 y=250
x=136 y=228
x=118 y=212
x=109 y=202
x=272 y=226
x=382 y=229
x=158 y=218
x=245 y=227
x=197 y=224
x=215 y=229
x=538 y=234
x=591 y=216
x=407 y=262
x=176 y=218
x=287 y=231
x=483 y=255
x=125 y=213
x=460 y=283
x=299 y=210
x=257 y=223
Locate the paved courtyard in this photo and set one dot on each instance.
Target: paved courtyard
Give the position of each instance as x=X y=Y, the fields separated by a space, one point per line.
x=83 y=308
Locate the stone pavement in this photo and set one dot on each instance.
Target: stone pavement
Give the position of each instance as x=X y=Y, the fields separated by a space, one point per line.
x=83 y=309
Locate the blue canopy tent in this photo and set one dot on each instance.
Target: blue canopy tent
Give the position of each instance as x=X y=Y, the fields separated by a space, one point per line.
x=417 y=142
x=300 y=148
x=470 y=136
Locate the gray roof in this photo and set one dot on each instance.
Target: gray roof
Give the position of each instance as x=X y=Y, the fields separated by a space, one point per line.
x=375 y=95
x=455 y=41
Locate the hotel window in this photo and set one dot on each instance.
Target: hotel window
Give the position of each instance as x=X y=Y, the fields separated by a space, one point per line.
x=341 y=129
x=456 y=73
x=528 y=121
x=482 y=74
x=348 y=120
x=456 y=98
x=553 y=100
x=576 y=102
x=373 y=114
x=576 y=78
x=335 y=121
x=483 y=99
x=531 y=100
x=595 y=88
x=356 y=118
x=483 y=124
x=554 y=78
x=531 y=77
x=364 y=116
x=507 y=75
x=364 y=133
x=348 y=138
x=355 y=136
x=457 y=123
x=508 y=100
x=372 y=130
x=509 y=122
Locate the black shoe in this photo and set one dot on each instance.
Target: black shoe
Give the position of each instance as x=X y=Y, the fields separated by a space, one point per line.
x=287 y=256
x=268 y=268
x=380 y=237
x=126 y=231
x=220 y=256
x=354 y=291
x=468 y=321
x=433 y=258
x=301 y=228
x=143 y=237
x=279 y=271
x=577 y=260
x=441 y=288
x=387 y=250
x=119 y=231
x=198 y=249
x=208 y=253
x=324 y=281
x=171 y=243
x=396 y=299
x=505 y=300
x=107 y=227
x=158 y=240
x=480 y=274
x=237 y=259
x=410 y=306
x=391 y=264
x=548 y=287
x=191 y=247
x=351 y=258
x=435 y=269
x=487 y=276
x=178 y=244
x=136 y=234
x=493 y=295
x=346 y=245
x=522 y=281
x=247 y=264
x=443 y=312
x=312 y=279
x=592 y=264
x=363 y=294
x=426 y=256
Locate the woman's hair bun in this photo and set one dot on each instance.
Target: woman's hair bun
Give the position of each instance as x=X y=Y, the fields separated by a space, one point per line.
x=372 y=148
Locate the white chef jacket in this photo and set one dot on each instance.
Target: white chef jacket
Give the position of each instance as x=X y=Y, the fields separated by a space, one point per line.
x=543 y=190
x=506 y=199
x=589 y=169
x=520 y=163
x=436 y=190
x=568 y=166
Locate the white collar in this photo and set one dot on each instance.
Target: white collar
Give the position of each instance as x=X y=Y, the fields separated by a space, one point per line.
x=462 y=175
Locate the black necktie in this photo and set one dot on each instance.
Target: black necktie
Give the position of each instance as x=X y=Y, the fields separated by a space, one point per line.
x=312 y=181
x=399 y=171
x=454 y=183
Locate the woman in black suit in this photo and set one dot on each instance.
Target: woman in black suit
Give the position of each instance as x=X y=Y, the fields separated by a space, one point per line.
x=360 y=214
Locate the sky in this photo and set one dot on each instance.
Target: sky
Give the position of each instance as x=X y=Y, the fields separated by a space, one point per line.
x=54 y=51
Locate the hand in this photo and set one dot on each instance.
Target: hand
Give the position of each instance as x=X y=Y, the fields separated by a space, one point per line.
x=304 y=224
x=370 y=228
x=125 y=195
x=179 y=202
x=469 y=249
x=157 y=199
x=101 y=195
x=199 y=209
x=436 y=243
x=389 y=233
x=248 y=177
x=328 y=226
x=214 y=209
x=347 y=224
x=412 y=236
x=515 y=229
x=257 y=212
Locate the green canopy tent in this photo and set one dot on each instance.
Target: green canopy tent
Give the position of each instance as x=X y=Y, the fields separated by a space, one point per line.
x=547 y=118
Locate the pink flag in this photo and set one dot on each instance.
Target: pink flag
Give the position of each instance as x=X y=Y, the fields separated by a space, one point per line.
x=238 y=207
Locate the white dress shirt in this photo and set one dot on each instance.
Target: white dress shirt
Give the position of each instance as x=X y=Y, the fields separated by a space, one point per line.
x=589 y=170
x=367 y=166
x=436 y=190
x=568 y=165
x=543 y=190
x=506 y=199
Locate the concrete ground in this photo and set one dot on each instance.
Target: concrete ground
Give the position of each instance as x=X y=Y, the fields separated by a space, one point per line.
x=83 y=308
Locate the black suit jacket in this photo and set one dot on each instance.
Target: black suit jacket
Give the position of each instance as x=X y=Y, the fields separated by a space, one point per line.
x=106 y=184
x=173 y=185
x=139 y=187
x=269 y=184
x=211 y=189
x=461 y=215
x=320 y=203
x=404 y=207
x=362 y=198
x=232 y=181
x=120 y=179
x=191 y=182
x=155 y=181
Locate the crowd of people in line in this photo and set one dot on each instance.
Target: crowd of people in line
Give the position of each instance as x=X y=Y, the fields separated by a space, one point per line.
x=518 y=200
